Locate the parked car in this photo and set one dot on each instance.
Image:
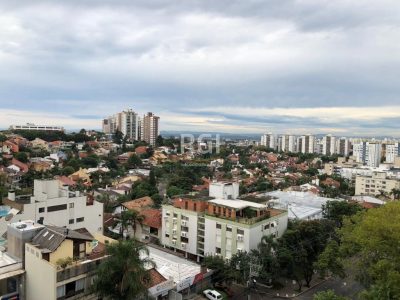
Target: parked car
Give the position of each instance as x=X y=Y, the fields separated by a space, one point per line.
x=212 y=295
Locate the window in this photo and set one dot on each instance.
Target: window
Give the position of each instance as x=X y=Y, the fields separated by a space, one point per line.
x=78 y=220
x=56 y=207
x=195 y=206
x=71 y=205
x=71 y=221
x=186 y=205
x=60 y=291
x=229 y=229
x=218 y=226
x=240 y=231
x=167 y=235
x=41 y=209
x=266 y=226
x=218 y=250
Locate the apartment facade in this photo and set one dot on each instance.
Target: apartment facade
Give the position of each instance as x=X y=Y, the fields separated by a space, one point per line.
x=66 y=261
x=374 y=184
x=392 y=151
x=329 y=145
x=268 y=140
x=33 y=127
x=54 y=205
x=343 y=146
x=308 y=143
x=149 y=126
x=199 y=225
x=368 y=153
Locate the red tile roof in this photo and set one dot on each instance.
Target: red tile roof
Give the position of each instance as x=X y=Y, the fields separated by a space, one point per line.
x=138 y=204
x=152 y=217
x=155 y=278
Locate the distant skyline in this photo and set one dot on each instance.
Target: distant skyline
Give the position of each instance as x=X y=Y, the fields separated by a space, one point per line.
x=223 y=66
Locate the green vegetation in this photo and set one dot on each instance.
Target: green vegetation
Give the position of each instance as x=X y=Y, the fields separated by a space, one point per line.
x=123 y=274
x=328 y=295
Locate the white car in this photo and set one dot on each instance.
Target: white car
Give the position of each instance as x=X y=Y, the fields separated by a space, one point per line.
x=212 y=295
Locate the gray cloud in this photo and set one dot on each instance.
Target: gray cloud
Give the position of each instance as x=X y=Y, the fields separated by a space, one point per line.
x=104 y=56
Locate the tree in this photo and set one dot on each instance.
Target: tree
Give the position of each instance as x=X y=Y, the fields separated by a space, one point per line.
x=3 y=138
x=300 y=246
x=123 y=274
x=118 y=137
x=223 y=270
x=134 y=161
x=68 y=170
x=370 y=240
x=173 y=191
x=329 y=261
x=328 y=295
x=266 y=252
x=337 y=210
x=22 y=157
x=395 y=193
x=131 y=218
x=159 y=141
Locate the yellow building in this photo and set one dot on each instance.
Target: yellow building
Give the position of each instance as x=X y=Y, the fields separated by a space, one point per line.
x=61 y=263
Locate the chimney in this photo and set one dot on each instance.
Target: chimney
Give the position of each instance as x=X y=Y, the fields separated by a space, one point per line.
x=11 y=195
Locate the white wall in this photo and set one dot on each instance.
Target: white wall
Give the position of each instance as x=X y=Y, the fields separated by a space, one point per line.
x=40 y=276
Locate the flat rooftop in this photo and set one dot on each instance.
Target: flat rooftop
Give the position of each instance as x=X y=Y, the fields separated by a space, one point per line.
x=298 y=198
x=302 y=212
x=26 y=225
x=237 y=203
x=171 y=266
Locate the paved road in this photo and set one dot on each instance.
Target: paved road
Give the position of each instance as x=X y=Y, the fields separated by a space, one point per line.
x=343 y=288
x=348 y=288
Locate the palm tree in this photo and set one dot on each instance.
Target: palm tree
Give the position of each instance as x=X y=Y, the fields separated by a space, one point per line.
x=396 y=193
x=123 y=275
x=130 y=218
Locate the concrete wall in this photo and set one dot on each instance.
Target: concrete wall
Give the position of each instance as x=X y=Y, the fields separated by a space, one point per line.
x=40 y=276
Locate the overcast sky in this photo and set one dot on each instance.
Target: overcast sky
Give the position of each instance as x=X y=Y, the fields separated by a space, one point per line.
x=317 y=66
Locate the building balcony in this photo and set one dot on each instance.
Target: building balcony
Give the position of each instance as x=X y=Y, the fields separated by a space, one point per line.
x=78 y=268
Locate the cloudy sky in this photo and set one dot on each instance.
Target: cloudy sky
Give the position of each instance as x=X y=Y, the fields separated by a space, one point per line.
x=295 y=66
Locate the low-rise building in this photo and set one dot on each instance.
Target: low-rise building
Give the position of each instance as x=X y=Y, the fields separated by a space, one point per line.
x=202 y=225
x=376 y=184
x=55 y=205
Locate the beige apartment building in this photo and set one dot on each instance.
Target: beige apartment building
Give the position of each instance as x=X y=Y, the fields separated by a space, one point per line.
x=373 y=185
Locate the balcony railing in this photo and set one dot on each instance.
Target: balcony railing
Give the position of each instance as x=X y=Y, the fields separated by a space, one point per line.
x=78 y=269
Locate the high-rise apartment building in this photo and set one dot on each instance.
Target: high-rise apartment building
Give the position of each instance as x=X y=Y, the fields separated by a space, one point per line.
x=132 y=126
x=287 y=143
x=308 y=144
x=329 y=145
x=368 y=153
x=392 y=151
x=149 y=128
x=268 y=140
x=343 y=146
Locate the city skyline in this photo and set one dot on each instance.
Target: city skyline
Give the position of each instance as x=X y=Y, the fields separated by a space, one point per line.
x=310 y=66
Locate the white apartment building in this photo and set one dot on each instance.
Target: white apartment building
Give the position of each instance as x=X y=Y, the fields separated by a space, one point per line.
x=392 y=151
x=33 y=127
x=287 y=143
x=268 y=140
x=228 y=235
x=150 y=130
x=199 y=226
x=368 y=153
x=54 y=205
x=343 y=146
x=375 y=182
x=308 y=143
x=224 y=190
x=329 y=145
x=130 y=125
